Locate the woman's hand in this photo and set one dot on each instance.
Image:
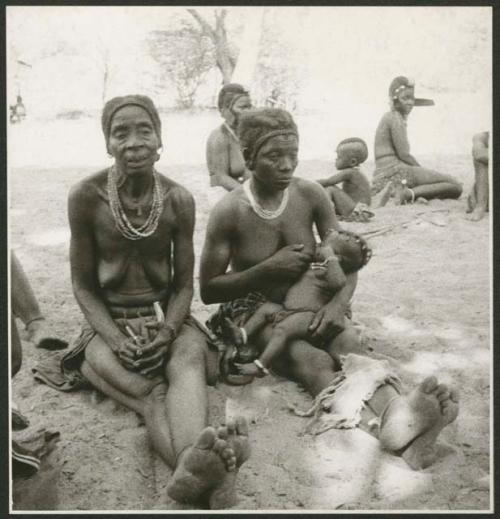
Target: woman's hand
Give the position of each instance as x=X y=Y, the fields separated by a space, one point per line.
x=289 y=262
x=151 y=356
x=328 y=322
x=127 y=352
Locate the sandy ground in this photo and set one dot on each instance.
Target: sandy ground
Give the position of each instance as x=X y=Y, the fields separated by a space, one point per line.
x=423 y=300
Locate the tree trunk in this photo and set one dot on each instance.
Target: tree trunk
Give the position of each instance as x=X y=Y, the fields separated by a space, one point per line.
x=225 y=62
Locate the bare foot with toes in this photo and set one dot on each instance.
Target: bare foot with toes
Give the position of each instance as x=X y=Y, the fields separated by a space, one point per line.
x=411 y=424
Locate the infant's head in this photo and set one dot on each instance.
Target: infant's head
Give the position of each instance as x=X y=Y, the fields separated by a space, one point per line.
x=353 y=253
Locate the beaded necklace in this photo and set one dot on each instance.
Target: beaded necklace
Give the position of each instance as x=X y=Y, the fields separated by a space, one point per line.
x=123 y=224
x=231 y=131
x=266 y=214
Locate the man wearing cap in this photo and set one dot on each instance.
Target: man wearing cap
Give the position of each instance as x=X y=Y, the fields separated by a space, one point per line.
x=132 y=263
x=396 y=169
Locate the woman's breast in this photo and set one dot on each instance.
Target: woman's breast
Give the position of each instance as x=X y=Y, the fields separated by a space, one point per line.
x=236 y=161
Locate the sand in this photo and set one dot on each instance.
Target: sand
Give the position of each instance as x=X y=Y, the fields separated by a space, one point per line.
x=423 y=301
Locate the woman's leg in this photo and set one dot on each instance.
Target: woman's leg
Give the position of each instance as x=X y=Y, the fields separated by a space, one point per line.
x=429 y=184
x=144 y=396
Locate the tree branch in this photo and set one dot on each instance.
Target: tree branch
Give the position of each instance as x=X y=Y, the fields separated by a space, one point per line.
x=205 y=26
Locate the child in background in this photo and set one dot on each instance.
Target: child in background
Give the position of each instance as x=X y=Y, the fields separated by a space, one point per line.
x=353 y=199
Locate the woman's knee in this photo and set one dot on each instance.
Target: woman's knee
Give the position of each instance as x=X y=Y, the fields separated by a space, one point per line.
x=345 y=342
x=310 y=361
x=187 y=353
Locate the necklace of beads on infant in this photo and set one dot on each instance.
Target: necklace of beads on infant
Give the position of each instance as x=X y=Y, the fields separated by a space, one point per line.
x=123 y=224
x=266 y=214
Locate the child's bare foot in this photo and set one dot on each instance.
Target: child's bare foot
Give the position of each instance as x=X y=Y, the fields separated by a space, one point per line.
x=224 y=495
x=412 y=423
x=41 y=335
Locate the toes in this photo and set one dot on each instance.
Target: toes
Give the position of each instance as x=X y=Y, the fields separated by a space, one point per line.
x=206 y=439
x=242 y=425
x=222 y=432
x=231 y=426
x=454 y=395
x=227 y=453
x=429 y=384
x=442 y=393
x=219 y=445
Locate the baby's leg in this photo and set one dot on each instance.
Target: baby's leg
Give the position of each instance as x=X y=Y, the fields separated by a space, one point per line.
x=261 y=317
x=294 y=326
x=343 y=203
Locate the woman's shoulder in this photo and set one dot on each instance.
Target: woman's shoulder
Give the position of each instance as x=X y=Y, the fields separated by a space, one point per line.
x=218 y=136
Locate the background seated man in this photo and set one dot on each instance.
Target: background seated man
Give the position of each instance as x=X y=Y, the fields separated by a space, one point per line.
x=478 y=199
x=259 y=241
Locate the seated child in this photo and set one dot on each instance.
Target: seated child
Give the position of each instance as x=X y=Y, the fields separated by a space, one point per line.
x=352 y=201
x=340 y=253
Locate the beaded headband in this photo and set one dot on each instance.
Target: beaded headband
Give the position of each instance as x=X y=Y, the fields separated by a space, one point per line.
x=410 y=83
x=263 y=138
x=235 y=98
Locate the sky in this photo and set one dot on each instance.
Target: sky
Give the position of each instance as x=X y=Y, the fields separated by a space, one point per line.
x=345 y=58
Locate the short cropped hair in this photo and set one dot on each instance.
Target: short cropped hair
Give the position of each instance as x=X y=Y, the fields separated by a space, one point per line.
x=357 y=148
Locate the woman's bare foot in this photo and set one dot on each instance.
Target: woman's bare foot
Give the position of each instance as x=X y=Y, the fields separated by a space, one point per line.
x=412 y=423
x=41 y=335
x=209 y=466
x=224 y=495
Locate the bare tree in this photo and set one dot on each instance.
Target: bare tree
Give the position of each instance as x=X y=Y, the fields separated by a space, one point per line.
x=185 y=56
x=225 y=57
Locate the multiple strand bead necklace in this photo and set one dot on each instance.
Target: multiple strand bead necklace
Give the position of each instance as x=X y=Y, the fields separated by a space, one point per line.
x=123 y=224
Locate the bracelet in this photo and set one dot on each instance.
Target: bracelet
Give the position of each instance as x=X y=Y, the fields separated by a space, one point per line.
x=261 y=366
x=322 y=264
x=171 y=329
